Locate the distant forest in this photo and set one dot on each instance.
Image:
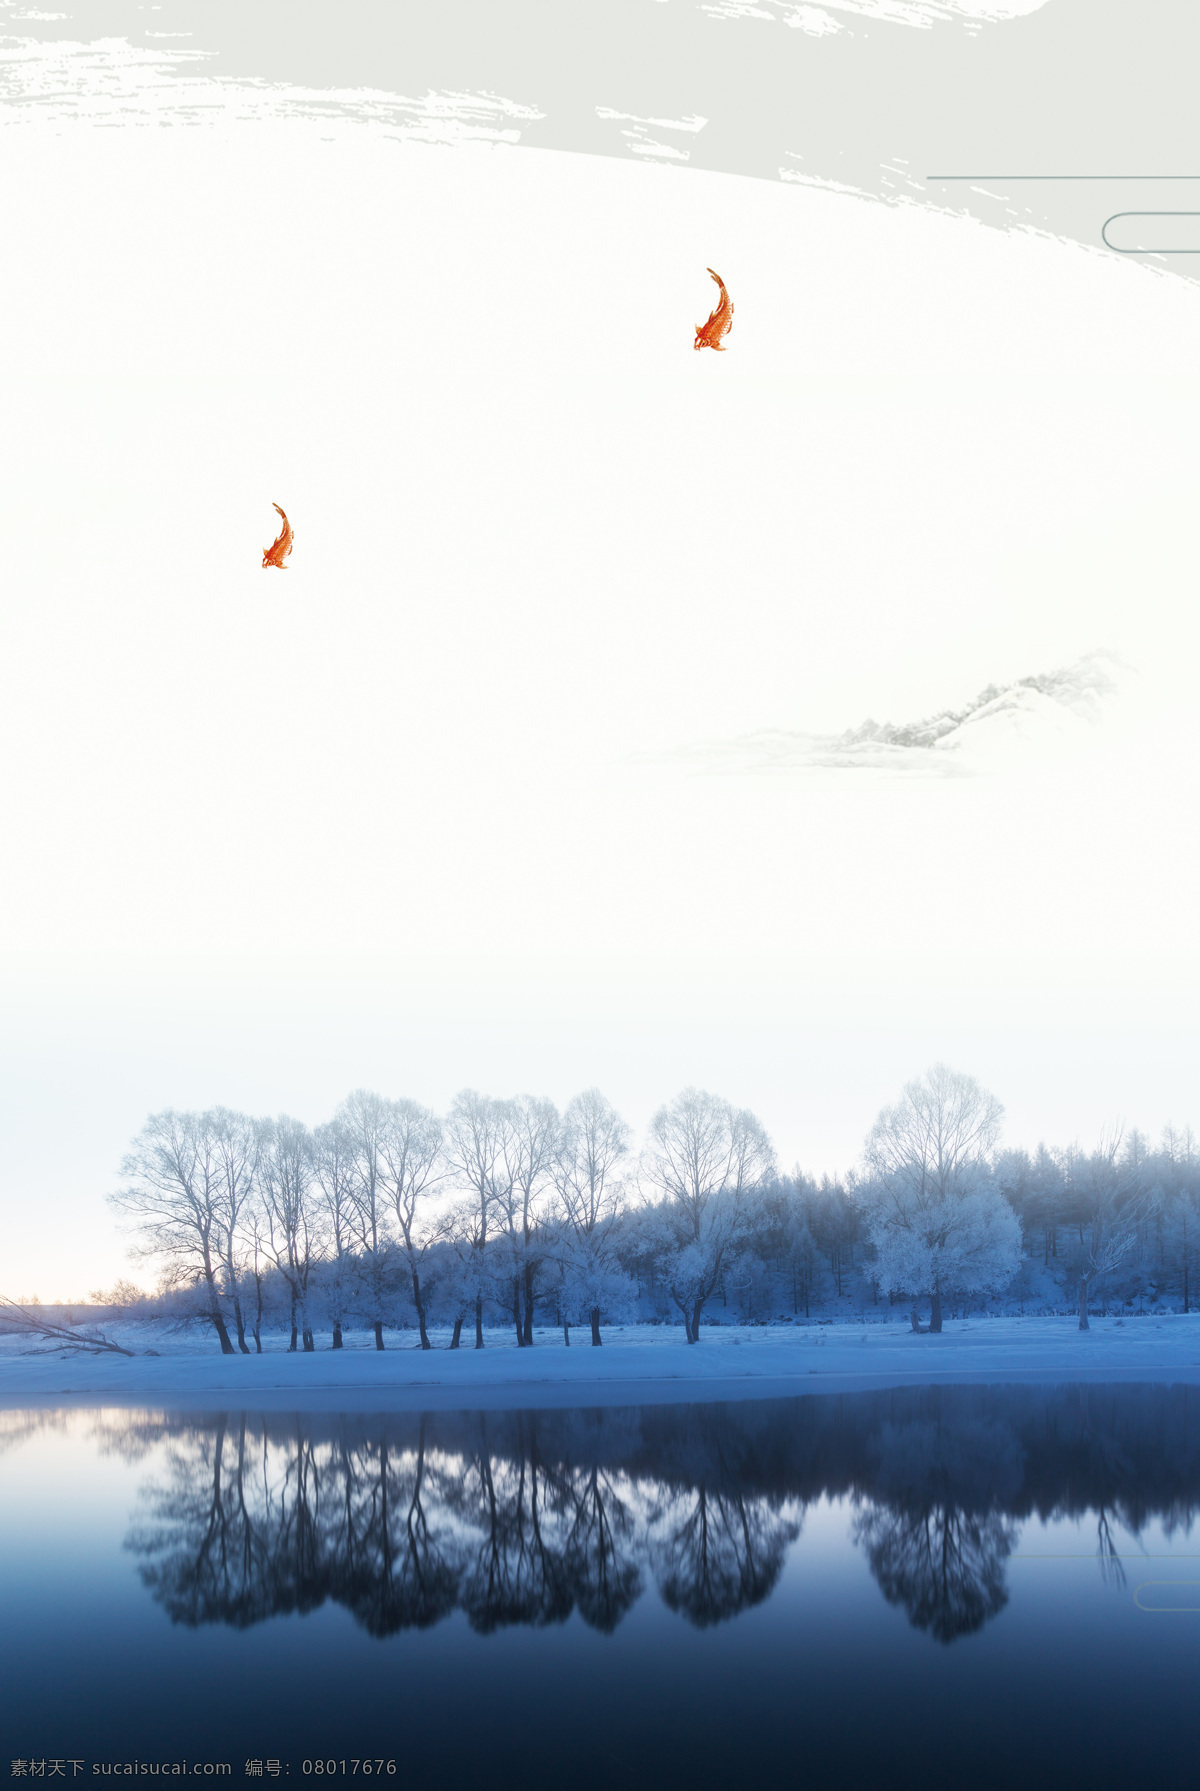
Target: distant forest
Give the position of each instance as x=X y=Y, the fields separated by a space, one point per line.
x=390 y=1217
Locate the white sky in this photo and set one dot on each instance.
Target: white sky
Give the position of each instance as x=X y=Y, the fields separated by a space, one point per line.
x=376 y=820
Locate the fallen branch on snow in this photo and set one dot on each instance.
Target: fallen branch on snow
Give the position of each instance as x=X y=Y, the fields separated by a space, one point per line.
x=90 y=1342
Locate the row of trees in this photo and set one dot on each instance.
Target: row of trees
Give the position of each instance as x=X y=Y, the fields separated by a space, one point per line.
x=511 y=1206
x=498 y=1202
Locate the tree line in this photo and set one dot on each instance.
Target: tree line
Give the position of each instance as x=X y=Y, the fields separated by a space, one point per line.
x=509 y=1208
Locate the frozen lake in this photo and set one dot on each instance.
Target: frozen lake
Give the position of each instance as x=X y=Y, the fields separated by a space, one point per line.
x=998 y=1583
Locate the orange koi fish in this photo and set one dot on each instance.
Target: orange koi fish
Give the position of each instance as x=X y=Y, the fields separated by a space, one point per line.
x=281 y=547
x=708 y=335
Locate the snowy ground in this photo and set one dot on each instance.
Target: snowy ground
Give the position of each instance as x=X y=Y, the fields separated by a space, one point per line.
x=637 y=1365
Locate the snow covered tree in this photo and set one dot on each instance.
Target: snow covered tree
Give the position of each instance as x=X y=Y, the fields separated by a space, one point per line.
x=334 y=1174
x=459 y=1268
x=1034 y=1188
x=173 y=1194
x=285 y=1179
x=938 y=1223
x=527 y=1141
x=258 y=1263
x=1108 y=1192
x=237 y=1141
x=364 y=1115
x=481 y=1151
x=703 y=1155
x=590 y=1148
x=1179 y=1178
x=410 y=1151
x=834 y=1221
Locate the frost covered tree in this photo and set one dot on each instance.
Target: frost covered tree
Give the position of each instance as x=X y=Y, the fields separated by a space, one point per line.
x=285 y=1181
x=525 y=1131
x=410 y=1151
x=1108 y=1192
x=1034 y=1188
x=458 y=1280
x=938 y=1224
x=535 y=1130
x=480 y=1155
x=174 y=1198
x=1179 y=1180
x=590 y=1150
x=334 y=1175
x=364 y=1115
x=237 y=1141
x=703 y=1155
x=835 y=1222
x=258 y=1259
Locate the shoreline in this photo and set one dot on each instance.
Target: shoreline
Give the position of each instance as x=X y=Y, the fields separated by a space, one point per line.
x=743 y=1364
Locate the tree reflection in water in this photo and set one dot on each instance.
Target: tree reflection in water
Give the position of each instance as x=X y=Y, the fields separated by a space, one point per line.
x=935 y=1541
x=525 y=1518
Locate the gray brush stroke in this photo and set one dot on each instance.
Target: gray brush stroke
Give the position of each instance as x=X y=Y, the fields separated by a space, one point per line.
x=1078 y=88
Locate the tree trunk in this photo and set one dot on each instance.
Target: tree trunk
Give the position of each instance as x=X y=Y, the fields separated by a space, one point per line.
x=378 y=1333
x=935 y=1311
x=238 y=1316
x=1083 y=1311
x=216 y=1316
x=916 y=1323
x=309 y=1345
x=528 y=1305
x=517 y=1311
x=337 y=1333
x=457 y=1332
x=257 y=1340
x=478 y=1321
x=566 y=1334
x=292 y=1344
x=420 y=1306
x=696 y=1311
x=596 y=1338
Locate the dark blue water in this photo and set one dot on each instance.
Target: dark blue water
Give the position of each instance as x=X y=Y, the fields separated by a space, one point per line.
x=978 y=1586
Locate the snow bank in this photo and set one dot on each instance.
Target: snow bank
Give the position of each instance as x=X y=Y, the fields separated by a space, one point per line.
x=637 y=1366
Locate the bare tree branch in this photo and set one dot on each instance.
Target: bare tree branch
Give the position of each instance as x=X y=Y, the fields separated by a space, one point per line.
x=90 y=1342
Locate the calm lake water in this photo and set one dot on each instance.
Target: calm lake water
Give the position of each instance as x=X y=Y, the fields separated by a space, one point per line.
x=986 y=1586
